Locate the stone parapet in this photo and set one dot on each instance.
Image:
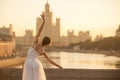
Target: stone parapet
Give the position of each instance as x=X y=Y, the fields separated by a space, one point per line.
x=65 y=74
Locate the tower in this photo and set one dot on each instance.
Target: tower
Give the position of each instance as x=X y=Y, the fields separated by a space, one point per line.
x=50 y=29
x=48 y=14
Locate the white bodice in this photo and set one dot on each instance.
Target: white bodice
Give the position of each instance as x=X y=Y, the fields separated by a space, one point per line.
x=32 y=53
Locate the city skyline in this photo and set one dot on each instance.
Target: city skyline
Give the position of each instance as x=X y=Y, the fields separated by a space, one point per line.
x=96 y=16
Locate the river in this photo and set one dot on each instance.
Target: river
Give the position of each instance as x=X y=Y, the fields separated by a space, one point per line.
x=81 y=60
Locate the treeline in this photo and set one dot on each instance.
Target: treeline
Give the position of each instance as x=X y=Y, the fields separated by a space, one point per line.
x=109 y=43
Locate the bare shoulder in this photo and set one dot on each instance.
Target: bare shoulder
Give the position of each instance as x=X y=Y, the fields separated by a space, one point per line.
x=36 y=46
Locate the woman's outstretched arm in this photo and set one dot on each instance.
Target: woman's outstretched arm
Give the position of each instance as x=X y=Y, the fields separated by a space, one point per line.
x=40 y=30
x=52 y=62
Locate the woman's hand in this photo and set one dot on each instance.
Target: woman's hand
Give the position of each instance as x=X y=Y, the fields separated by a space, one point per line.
x=43 y=17
x=60 y=67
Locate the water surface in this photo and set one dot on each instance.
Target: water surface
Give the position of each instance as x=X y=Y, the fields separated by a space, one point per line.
x=81 y=60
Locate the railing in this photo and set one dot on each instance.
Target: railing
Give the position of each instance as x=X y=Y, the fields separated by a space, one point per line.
x=64 y=74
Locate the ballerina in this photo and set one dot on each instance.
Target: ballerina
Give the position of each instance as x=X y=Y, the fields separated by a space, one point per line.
x=33 y=69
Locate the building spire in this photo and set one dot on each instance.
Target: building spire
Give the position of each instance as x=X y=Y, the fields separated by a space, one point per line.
x=46 y=1
x=47 y=6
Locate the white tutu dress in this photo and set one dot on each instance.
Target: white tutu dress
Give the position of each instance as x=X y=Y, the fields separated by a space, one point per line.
x=33 y=69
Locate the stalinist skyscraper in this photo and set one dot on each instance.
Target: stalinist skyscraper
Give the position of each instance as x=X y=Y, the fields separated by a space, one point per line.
x=50 y=29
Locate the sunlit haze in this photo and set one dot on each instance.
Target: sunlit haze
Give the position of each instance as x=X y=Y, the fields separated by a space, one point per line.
x=96 y=16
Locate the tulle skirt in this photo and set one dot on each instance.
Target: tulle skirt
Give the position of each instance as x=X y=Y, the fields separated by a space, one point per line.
x=33 y=70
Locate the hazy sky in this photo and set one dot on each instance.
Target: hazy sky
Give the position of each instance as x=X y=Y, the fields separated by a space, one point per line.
x=97 y=16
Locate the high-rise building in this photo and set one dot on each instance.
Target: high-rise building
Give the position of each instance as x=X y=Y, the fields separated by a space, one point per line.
x=50 y=29
x=53 y=30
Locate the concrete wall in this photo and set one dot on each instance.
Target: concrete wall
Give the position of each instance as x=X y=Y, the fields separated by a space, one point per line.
x=64 y=74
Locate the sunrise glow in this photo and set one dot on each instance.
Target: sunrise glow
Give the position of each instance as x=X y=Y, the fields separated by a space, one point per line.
x=96 y=16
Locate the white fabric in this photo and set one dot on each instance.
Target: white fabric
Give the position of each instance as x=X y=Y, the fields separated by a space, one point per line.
x=33 y=69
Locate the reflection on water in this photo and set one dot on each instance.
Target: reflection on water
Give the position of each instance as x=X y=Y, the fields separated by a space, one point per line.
x=81 y=60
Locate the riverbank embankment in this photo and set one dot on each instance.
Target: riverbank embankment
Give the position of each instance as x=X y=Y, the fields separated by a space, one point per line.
x=104 y=52
x=12 y=62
